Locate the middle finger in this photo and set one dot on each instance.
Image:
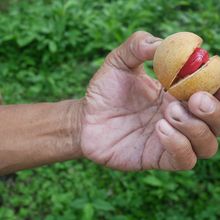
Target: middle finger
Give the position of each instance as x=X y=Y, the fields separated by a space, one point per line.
x=201 y=137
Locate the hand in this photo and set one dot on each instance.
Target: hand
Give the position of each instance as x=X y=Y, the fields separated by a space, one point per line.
x=130 y=123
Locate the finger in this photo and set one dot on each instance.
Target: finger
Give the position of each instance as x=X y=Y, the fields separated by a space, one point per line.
x=206 y=107
x=217 y=94
x=138 y=48
x=178 y=153
x=201 y=137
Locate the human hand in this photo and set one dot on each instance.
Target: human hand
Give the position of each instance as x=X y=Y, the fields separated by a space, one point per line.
x=130 y=123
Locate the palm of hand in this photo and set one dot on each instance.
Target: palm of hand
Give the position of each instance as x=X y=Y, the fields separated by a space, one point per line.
x=129 y=122
x=121 y=110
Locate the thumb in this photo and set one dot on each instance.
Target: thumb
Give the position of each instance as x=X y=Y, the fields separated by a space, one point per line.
x=138 y=48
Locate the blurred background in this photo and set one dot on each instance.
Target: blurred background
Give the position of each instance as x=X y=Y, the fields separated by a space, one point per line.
x=49 y=50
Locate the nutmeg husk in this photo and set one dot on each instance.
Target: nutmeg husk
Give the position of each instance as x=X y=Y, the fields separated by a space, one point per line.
x=172 y=55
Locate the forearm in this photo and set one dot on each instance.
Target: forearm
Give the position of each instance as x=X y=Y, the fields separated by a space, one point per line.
x=38 y=134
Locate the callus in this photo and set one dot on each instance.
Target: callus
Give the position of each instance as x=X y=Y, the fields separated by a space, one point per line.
x=195 y=61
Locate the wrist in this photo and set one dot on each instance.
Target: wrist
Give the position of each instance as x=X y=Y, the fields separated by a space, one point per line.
x=67 y=133
x=76 y=116
x=70 y=129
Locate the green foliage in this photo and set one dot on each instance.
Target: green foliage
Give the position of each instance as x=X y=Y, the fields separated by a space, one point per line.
x=49 y=49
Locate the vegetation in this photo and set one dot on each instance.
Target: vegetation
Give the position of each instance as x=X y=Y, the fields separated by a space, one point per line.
x=49 y=49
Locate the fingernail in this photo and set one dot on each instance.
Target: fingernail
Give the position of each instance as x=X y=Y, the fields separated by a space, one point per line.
x=207 y=105
x=178 y=113
x=152 y=40
x=165 y=127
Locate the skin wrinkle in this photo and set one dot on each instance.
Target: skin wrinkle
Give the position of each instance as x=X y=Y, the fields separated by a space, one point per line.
x=127 y=134
x=88 y=102
x=126 y=114
x=78 y=117
x=160 y=95
x=170 y=161
x=108 y=160
x=97 y=87
x=116 y=116
x=122 y=61
x=201 y=132
x=131 y=50
x=154 y=103
x=172 y=164
x=117 y=57
x=62 y=132
x=160 y=98
x=104 y=99
x=96 y=93
x=92 y=91
x=92 y=153
x=142 y=125
x=172 y=155
x=139 y=119
x=159 y=160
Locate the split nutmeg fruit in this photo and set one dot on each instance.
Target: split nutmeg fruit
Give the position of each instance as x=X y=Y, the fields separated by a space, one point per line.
x=184 y=68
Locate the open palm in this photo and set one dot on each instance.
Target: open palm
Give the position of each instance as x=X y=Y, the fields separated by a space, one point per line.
x=121 y=111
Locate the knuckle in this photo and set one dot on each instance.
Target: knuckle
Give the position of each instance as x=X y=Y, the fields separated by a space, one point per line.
x=189 y=164
x=138 y=34
x=184 y=151
x=184 y=147
x=199 y=131
x=111 y=56
x=115 y=60
x=212 y=150
x=171 y=106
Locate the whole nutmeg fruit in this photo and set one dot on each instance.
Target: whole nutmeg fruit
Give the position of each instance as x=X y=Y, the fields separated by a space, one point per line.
x=183 y=67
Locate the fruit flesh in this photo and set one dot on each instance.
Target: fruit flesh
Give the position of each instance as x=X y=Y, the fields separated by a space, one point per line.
x=198 y=58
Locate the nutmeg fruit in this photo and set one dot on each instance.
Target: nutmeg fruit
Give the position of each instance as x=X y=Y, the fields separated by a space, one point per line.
x=184 y=68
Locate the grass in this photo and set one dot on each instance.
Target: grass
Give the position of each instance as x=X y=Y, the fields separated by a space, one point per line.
x=48 y=51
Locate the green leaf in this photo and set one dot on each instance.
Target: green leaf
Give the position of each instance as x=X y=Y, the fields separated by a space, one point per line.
x=79 y=203
x=69 y=4
x=25 y=40
x=152 y=181
x=88 y=212
x=103 y=205
x=52 y=47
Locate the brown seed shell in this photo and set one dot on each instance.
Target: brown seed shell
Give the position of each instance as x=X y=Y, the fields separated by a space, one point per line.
x=206 y=79
x=172 y=54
